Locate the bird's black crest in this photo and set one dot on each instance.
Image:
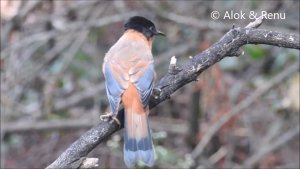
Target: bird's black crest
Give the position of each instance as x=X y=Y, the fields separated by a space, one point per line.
x=143 y=25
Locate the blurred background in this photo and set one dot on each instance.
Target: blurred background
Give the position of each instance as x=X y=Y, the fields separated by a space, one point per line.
x=52 y=86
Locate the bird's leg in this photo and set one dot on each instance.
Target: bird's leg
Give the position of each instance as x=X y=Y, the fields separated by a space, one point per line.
x=111 y=116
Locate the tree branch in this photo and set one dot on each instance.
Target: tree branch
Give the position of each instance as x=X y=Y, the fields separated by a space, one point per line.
x=229 y=45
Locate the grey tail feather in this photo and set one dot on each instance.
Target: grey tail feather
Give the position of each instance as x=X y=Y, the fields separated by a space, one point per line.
x=138 y=149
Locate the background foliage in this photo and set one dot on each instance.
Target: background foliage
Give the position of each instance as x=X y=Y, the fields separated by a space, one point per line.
x=52 y=86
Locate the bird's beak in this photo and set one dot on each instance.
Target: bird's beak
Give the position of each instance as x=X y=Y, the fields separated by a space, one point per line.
x=159 y=33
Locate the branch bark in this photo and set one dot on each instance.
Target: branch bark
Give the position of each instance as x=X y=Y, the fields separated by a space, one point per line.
x=228 y=45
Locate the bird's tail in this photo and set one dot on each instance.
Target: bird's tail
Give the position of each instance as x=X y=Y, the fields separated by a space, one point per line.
x=138 y=142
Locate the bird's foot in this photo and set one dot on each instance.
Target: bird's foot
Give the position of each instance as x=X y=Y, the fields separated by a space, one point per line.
x=110 y=116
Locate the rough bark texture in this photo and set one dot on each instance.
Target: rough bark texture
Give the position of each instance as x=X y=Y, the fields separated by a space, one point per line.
x=228 y=45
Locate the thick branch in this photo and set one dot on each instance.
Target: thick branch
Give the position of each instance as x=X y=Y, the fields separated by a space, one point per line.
x=229 y=45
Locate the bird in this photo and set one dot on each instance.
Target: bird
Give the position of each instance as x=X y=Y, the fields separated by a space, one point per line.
x=129 y=73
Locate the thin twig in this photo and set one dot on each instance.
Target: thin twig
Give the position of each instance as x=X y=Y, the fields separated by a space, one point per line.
x=18 y=127
x=241 y=106
x=44 y=36
x=156 y=123
x=267 y=148
x=66 y=60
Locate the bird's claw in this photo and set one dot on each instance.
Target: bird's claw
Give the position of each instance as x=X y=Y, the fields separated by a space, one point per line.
x=105 y=116
x=110 y=116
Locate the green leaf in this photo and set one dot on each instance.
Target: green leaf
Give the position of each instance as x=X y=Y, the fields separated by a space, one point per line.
x=81 y=56
x=255 y=52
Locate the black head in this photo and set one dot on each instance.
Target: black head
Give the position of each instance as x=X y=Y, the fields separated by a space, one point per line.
x=143 y=25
